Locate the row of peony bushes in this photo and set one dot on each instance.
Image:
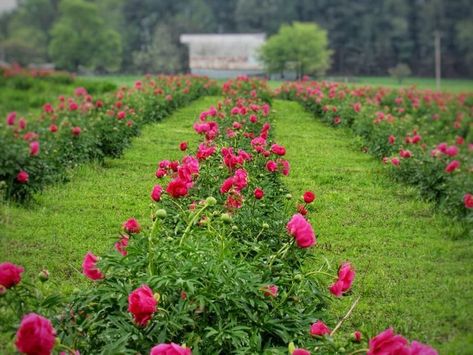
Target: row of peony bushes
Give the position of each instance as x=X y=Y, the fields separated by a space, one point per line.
x=426 y=137
x=37 y=151
x=227 y=266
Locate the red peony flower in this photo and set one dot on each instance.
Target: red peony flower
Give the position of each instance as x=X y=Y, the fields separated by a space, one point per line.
x=36 y=335
x=309 y=197
x=22 y=123
x=121 y=245
x=451 y=151
x=405 y=153
x=178 y=188
x=11 y=117
x=183 y=146
x=387 y=343
x=452 y=166
x=271 y=166
x=302 y=210
x=160 y=173
x=132 y=226
x=346 y=275
x=53 y=128
x=170 y=349
x=391 y=139
x=22 y=177
x=357 y=336
x=89 y=267
x=142 y=305
x=259 y=193
x=302 y=231
x=34 y=148
x=468 y=200
x=278 y=149
x=73 y=106
x=10 y=274
x=395 y=161
x=156 y=193
x=319 y=328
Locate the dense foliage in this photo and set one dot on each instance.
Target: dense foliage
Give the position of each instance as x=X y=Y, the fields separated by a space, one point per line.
x=426 y=138
x=367 y=37
x=39 y=149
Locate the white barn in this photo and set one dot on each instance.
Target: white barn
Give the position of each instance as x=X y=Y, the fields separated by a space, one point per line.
x=224 y=55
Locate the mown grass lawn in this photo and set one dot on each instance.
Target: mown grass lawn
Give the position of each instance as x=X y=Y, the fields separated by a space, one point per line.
x=410 y=273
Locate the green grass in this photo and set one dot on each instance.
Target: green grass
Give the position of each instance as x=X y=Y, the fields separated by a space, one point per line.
x=120 y=80
x=85 y=214
x=410 y=274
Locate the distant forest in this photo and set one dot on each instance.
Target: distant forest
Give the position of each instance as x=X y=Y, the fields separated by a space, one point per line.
x=367 y=36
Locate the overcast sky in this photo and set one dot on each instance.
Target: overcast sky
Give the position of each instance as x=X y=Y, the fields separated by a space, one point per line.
x=7 y=5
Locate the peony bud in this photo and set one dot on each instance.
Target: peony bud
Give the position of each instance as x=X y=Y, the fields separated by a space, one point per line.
x=44 y=275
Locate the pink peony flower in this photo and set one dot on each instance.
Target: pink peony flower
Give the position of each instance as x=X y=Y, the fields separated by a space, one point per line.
x=452 y=166
x=160 y=173
x=451 y=151
x=48 y=108
x=301 y=352
x=177 y=188
x=76 y=131
x=121 y=245
x=89 y=267
x=121 y=115
x=22 y=123
x=36 y=335
x=405 y=153
x=142 y=305
x=10 y=274
x=53 y=128
x=319 y=328
x=357 y=336
x=387 y=343
x=302 y=231
x=156 y=193
x=468 y=200
x=417 y=348
x=132 y=226
x=270 y=290
x=346 y=275
x=271 y=166
x=309 y=197
x=170 y=349
x=34 y=148
x=11 y=117
x=278 y=149
x=392 y=139
x=22 y=177
x=395 y=161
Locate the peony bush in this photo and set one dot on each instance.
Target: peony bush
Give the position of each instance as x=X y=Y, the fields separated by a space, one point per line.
x=423 y=137
x=229 y=264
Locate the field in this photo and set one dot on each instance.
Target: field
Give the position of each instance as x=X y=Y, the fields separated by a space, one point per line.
x=411 y=251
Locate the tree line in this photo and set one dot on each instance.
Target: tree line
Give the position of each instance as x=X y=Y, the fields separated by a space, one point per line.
x=366 y=37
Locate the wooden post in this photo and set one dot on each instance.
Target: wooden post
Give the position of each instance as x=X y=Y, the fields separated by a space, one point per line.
x=438 y=58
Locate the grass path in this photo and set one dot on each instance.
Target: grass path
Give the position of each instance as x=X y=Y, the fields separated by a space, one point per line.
x=86 y=214
x=411 y=275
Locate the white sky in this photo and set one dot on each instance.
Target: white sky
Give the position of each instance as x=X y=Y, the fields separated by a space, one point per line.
x=7 y=5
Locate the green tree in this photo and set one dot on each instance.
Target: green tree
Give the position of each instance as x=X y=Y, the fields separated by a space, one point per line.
x=80 y=37
x=302 y=47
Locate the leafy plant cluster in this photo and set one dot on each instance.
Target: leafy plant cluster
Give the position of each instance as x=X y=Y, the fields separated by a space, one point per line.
x=80 y=128
x=425 y=137
x=228 y=278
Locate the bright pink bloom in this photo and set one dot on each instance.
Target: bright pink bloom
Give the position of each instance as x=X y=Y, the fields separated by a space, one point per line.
x=132 y=226
x=160 y=173
x=142 y=305
x=452 y=166
x=388 y=343
x=156 y=193
x=89 y=267
x=34 y=148
x=240 y=179
x=22 y=177
x=417 y=348
x=121 y=115
x=11 y=118
x=271 y=166
x=395 y=161
x=121 y=245
x=170 y=349
x=48 y=108
x=319 y=328
x=442 y=147
x=468 y=200
x=234 y=200
x=270 y=290
x=226 y=185
x=10 y=274
x=301 y=352
x=451 y=151
x=204 y=151
x=73 y=106
x=259 y=193
x=309 y=197
x=357 y=336
x=346 y=275
x=405 y=153
x=36 y=335
x=278 y=149
x=253 y=119
x=416 y=139
x=301 y=230
x=285 y=167
x=22 y=123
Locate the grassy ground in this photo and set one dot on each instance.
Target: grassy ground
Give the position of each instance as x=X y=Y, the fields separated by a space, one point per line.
x=411 y=275
x=86 y=214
